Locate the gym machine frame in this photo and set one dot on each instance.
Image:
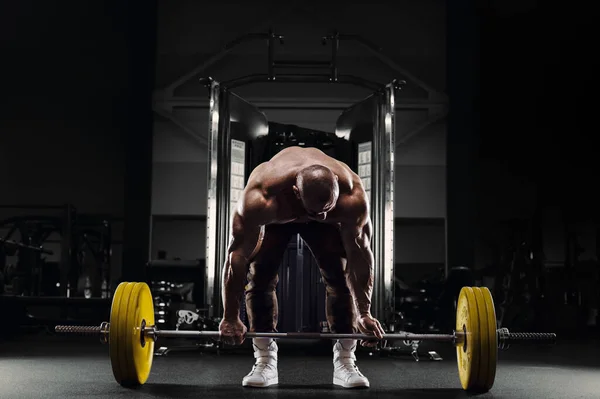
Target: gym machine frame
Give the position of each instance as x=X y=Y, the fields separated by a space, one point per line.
x=332 y=77
x=383 y=288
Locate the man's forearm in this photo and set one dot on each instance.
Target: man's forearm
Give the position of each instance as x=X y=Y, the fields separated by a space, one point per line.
x=234 y=282
x=360 y=279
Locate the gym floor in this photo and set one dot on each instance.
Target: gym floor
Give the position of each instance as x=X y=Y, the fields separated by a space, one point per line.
x=57 y=367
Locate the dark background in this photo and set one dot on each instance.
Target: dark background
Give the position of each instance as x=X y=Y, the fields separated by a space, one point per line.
x=77 y=121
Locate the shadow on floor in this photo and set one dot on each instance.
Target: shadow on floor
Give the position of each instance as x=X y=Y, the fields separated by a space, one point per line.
x=295 y=391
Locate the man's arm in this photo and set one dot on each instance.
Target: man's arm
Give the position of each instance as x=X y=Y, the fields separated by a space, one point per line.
x=247 y=230
x=356 y=234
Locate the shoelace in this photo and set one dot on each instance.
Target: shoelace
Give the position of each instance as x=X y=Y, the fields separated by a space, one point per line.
x=258 y=367
x=349 y=368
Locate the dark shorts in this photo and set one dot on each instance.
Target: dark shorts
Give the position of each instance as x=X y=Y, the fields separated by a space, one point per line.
x=325 y=243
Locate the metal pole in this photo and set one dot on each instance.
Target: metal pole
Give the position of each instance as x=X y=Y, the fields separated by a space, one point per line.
x=153 y=333
x=302 y=78
x=505 y=337
x=335 y=45
x=271 y=57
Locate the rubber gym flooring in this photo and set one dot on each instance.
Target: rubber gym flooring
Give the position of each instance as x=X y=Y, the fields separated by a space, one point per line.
x=79 y=367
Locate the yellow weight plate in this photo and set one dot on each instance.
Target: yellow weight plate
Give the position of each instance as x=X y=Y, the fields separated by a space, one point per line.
x=126 y=371
x=128 y=326
x=140 y=313
x=487 y=334
x=493 y=338
x=115 y=335
x=468 y=352
x=112 y=341
x=478 y=383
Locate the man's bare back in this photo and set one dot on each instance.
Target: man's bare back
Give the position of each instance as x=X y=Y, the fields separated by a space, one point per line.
x=270 y=185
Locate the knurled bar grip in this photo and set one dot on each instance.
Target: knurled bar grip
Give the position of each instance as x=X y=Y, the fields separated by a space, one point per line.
x=505 y=338
x=527 y=337
x=78 y=330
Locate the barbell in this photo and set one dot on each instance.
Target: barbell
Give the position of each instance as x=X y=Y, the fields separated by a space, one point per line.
x=131 y=334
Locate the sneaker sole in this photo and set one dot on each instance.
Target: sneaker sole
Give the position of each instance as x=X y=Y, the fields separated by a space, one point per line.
x=272 y=381
x=344 y=384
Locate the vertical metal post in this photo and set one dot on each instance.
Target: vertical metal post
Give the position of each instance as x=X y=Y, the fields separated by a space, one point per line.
x=2 y=266
x=271 y=56
x=212 y=236
x=299 y=283
x=223 y=194
x=597 y=225
x=376 y=212
x=65 y=249
x=106 y=260
x=387 y=180
x=335 y=45
x=150 y=231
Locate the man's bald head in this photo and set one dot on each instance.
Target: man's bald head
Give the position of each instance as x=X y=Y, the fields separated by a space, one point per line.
x=317 y=187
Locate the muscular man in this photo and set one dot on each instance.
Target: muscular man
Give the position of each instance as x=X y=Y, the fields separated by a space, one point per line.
x=301 y=191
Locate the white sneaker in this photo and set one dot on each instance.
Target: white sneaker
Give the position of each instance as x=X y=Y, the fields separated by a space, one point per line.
x=264 y=371
x=345 y=372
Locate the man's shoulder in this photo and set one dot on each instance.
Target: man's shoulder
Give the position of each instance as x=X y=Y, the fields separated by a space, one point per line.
x=256 y=206
x=270 y=177
x=354 y=205
x=255 y=199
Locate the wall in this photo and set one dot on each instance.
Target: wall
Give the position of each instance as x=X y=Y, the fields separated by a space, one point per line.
x=179 y=182
x=418 y=41
x=420 y=204
x=415 y=52
x=179 y=166
x=60 y=140
x=63 y=78
x=535 y=148
x=64 y=82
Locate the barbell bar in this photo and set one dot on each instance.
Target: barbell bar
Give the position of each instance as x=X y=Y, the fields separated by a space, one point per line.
x=131 y=334
x=505 y=337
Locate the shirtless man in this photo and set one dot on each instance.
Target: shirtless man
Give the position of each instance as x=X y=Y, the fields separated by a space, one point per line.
x=301 y=191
